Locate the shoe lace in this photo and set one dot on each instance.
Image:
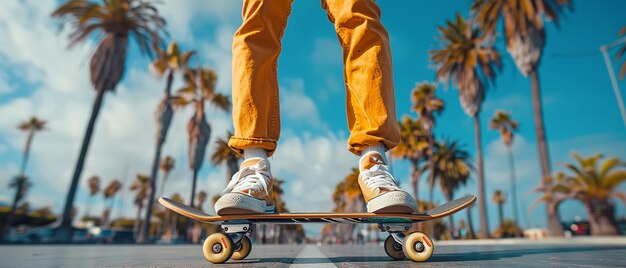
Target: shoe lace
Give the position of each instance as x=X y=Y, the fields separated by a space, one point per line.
x=378 y=176
x=252 y=178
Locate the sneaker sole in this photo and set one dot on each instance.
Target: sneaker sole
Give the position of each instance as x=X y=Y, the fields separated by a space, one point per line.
x=392 y=202
x=236 y=203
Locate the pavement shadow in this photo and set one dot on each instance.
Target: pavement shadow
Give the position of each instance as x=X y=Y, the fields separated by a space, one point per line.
x=317 y=260
x=511 y=253
x=437 y=257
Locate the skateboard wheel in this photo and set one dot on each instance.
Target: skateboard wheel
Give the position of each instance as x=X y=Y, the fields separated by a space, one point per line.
x=393 y=249
x=242 y=248
x=418 y=246
x=218 y=248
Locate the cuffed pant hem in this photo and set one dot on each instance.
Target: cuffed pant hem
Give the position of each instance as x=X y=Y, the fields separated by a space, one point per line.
x=238 y=144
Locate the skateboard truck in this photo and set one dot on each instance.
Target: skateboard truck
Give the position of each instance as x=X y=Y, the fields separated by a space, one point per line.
x=237 y=231
x=395 y=230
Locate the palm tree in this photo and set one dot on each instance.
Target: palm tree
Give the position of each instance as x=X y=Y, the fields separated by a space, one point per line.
x=169 y=62
x=502 y=122
x=109 y=194
x=115 y=22
x=223 y=154
x=173 y=217
x=426 y=105
x=21 y=185
x=462 y=60
x=31 y=126
x=452 y=168
x=94 y=187
x=20 y=182
x=348 y=198
x=413 y=145
x=524 y=35
x=202 y=195
x=199 y=87
x=621 y=52
x=167 y=164
x=141 y=186
x=498 y=198
x=594 y=184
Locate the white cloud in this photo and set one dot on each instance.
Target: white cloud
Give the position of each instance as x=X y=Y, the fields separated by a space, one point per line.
x=123 y=140
x=327 y=51
x=298 y=108
x=312 y=167
x=183 y=16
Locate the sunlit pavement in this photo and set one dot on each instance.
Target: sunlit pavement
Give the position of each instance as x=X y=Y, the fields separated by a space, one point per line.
x=583 y=252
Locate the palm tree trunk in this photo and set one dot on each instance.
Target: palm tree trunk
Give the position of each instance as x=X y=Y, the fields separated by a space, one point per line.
x=137 y=226
x=29 y=141
x=9 y=219
x=470 y=224
x=500 y=218
x=162 y=188
x=155 y=169
x=482 y=204
x=415 y=176
x=554 y=222
x=193 y=189
x=155 y=166
x=232 y=168
x=64 y=233
x=513 y=186
x=601 y=218
x=449 y=198
x=431 y=176
x=89 y=202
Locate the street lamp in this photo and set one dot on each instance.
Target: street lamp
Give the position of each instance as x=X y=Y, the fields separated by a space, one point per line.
x=609 y=66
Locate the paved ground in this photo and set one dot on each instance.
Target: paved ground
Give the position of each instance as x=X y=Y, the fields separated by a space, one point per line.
x=610 y=252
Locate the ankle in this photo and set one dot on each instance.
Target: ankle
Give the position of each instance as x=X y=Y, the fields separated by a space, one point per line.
x=252 y=156
x=368 y=151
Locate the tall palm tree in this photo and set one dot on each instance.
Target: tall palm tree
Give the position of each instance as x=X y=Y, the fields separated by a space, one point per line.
x=21 y=184
x=499 y=199
x=167 y=62
x=199 y=88
x=413 y=146
x=452 y=168
x=109 y=196
x=427 y=105
x=621 y=52
x=502 y=122
x=593 y=183
x=462 y=60
x=94 y=187
x=141 y=186
x=113 y=23
x=223 y=154
x=31 y=126
x=167 y=164
x=524 y=36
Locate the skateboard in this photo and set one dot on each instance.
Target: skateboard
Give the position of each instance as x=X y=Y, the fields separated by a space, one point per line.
x=234 y=244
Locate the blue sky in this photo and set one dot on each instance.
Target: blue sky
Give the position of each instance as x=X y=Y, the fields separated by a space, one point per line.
x=39 y=76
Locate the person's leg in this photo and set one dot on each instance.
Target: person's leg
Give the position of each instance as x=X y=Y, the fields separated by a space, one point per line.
x=256 y=47
x=370 y=101
x=368 y=70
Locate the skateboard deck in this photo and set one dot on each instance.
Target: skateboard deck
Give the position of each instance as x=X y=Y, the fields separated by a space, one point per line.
x=320 y=217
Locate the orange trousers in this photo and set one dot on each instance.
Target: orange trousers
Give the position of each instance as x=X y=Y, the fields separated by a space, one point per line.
x=370 y=101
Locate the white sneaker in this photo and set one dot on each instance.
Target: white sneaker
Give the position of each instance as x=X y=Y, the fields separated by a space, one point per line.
x=249 y=190
x=379 y=188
